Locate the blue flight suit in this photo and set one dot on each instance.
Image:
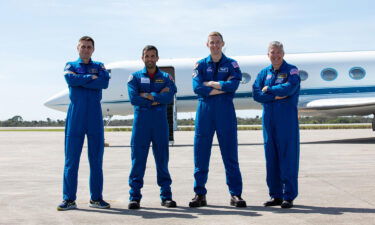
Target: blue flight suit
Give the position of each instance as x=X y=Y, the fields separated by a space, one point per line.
x=84 y=117
x=216 y=113
x=280 y=128
x=150 y=125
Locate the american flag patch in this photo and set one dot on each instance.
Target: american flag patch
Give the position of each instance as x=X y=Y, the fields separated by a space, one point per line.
x=195 y=73
x=67 y=67
x=235 y=64
x=269 y=76
x=170 y=77
x=294 y=71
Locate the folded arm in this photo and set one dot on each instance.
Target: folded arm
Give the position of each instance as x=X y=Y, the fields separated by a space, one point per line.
x=101 y=82
x=74 y=79
x=258 y=94
x=134 y=94
x=165 y=96
x=286 y=89
x=233 y=81
x=198 y=83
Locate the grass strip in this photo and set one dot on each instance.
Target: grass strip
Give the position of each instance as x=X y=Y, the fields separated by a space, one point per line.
x=191 y=128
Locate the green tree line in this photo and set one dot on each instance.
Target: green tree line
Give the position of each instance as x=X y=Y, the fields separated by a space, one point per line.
x=17 y=121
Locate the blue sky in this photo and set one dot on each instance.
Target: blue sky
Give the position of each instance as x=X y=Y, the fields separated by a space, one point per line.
x=38 y=37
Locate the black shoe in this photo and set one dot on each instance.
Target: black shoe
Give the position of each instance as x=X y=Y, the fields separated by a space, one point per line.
x=134 y=205
x=237 y=201
x=287 y=204
x=273 y=202
x=66 y=205
x=198 y=201
x=100 y=204
x=169 y=203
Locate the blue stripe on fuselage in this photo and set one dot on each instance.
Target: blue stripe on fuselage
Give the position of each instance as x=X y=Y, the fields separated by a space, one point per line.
x=303 y=92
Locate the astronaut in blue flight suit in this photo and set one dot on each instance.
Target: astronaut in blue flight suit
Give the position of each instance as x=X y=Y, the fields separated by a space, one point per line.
x=277 y=88
x=150 y=91
x=86 y=79
x=215 y=81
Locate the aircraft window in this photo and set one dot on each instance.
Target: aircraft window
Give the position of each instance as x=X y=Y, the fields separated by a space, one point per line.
x=303 y=75
x=357 y=73
x=245 y=78
x=328 y=74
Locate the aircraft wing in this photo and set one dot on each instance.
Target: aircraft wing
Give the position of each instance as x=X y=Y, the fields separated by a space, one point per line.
x=339 y=106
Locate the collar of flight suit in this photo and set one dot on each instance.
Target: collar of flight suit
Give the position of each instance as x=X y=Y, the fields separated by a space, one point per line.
x=157 y=73
x=282 y=67
x=221 y=61
x=80 y=61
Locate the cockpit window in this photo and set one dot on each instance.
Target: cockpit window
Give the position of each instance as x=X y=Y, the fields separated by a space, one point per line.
x=328 y=74
x=357 y=73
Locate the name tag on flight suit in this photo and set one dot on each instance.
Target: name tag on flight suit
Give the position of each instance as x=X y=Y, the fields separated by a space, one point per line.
x=145 y=80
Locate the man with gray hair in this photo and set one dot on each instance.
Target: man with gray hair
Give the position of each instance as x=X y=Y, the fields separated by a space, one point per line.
x=277 y=88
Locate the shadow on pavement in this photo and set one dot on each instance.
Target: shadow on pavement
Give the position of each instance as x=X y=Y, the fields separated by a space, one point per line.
x=179 y=212
x=369 y=140
x=313 y=210
x=192 y=213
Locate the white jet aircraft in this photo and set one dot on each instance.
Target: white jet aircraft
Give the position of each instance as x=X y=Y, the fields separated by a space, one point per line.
x=333 y=84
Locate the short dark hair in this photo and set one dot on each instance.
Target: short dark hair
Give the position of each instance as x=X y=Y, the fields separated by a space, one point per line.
x=148 y=48
x=87 y=38
x=215 y=33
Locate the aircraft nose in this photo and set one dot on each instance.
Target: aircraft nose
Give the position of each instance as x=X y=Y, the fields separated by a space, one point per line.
x=59 y=101
x=50 y=102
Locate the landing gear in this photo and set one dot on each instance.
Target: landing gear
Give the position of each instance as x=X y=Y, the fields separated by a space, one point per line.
x=373 y=123
x=105 y=125
x=172 y=120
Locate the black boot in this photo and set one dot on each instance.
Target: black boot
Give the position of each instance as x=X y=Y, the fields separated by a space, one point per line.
x=169 y=203
x=237 y=201
x=198 y=201
x=287 y=204
x=134 y=205
x=273 y=202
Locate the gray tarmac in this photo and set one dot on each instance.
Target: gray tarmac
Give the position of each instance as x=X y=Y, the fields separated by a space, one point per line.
x=336 y=182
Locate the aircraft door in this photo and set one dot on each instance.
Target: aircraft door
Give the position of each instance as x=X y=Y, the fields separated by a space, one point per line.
x=171 y=108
